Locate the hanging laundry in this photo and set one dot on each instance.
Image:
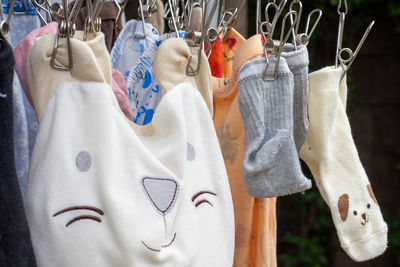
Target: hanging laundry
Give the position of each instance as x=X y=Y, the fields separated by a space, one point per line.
x=271 y=166
x=25 y=129
x=169 y=67
x=144 y=91
x=255 y=219
x=144 y=205
x=109 y=26
x=332 y=157
x=216 y=59
x=127 y=49
x=21 y=24
x=297 y=60
x=21 y=55
x=16 y=247
x=157 y=19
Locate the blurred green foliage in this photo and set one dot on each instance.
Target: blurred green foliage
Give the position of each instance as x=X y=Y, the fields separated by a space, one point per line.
x=307 y=241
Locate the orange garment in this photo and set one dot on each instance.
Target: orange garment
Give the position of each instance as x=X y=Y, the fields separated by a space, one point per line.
x=255 y=219
x=216 y=59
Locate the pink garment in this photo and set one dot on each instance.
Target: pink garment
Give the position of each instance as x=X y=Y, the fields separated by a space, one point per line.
x=21 y=52
x=121 y=92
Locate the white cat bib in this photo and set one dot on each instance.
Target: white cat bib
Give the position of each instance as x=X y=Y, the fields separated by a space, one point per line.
x=103 y=192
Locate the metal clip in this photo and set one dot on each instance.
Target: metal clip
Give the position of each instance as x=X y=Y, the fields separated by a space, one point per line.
x=341 y=51
x=5 y=24
x=281 y=6
x=121 y=8
x=274 y=47
x=295 y=30
x=197 y=38
x=304 y=38
x=352 y=55
x=45 y=6
x=63 y=31
x=342 y=17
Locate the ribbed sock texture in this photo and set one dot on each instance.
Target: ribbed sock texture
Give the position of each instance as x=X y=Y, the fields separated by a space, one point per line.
x=271 y=166
x=15 y=243
x=297 y=61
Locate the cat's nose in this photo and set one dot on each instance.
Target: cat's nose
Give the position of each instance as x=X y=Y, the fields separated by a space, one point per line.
x=162 y=192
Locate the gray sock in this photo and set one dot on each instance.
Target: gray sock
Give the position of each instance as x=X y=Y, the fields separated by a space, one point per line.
x=297 y=61
x=271 y=166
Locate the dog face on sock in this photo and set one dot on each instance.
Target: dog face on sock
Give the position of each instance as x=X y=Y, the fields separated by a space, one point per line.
x=348 y=210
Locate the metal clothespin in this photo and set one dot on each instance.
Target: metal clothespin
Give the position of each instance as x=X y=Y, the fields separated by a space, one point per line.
x=121 y=9
x=66 y=29
x=5 y=23
x=42 y=6
x=93 y=21
x=281 y=6
x=174 y=22
x=351 y=56
x=144 y=11
x=295 y=30
x=274 y=47
x=196 y=39
x=303 y=38
x=228 y=19
x=63 y=31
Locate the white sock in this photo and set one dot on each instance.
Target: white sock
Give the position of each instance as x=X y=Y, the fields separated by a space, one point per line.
x=332 y=157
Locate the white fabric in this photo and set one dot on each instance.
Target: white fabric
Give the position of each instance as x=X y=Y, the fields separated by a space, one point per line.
x=109 y=174
x=332 y=157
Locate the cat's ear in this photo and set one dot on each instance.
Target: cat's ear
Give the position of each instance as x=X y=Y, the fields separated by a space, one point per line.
x=343 y=205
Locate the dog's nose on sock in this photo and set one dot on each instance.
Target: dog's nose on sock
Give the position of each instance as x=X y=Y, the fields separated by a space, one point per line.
x=364 y=216
x=162 y=192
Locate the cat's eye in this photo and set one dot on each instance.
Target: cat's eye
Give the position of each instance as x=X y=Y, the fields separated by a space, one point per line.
x=368 y=206
x=202 y=201
x=82 y=217
x=355 y=213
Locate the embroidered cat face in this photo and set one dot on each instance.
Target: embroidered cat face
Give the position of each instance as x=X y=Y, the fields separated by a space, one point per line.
x=101 y=195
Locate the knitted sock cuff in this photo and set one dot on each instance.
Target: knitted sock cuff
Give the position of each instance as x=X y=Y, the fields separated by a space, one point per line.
x=296 y=59
x=327 y=78
x=255 y=68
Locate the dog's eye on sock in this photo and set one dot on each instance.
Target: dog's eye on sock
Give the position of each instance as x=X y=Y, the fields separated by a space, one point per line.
x=271 y=166
x=332 y=157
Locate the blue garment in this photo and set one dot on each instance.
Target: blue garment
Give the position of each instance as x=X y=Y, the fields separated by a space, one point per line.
x=127 y=49
x=145 y=93
x=19 y=7
x=21 y=25
x=25 y=130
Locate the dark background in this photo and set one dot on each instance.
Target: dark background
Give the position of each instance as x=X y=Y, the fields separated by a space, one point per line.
x=306 y=235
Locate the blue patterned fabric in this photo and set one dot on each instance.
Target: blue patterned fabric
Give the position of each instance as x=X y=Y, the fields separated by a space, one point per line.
x=25 y=130
x=127 y=49
x=144 y=91
x=19 y=7
x=21 y=25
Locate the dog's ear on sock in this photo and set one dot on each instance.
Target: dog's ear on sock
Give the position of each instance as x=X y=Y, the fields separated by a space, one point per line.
x=371 y=193
x=343 y=205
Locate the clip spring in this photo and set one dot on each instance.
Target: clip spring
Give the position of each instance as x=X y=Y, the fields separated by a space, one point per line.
x=340 y=52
